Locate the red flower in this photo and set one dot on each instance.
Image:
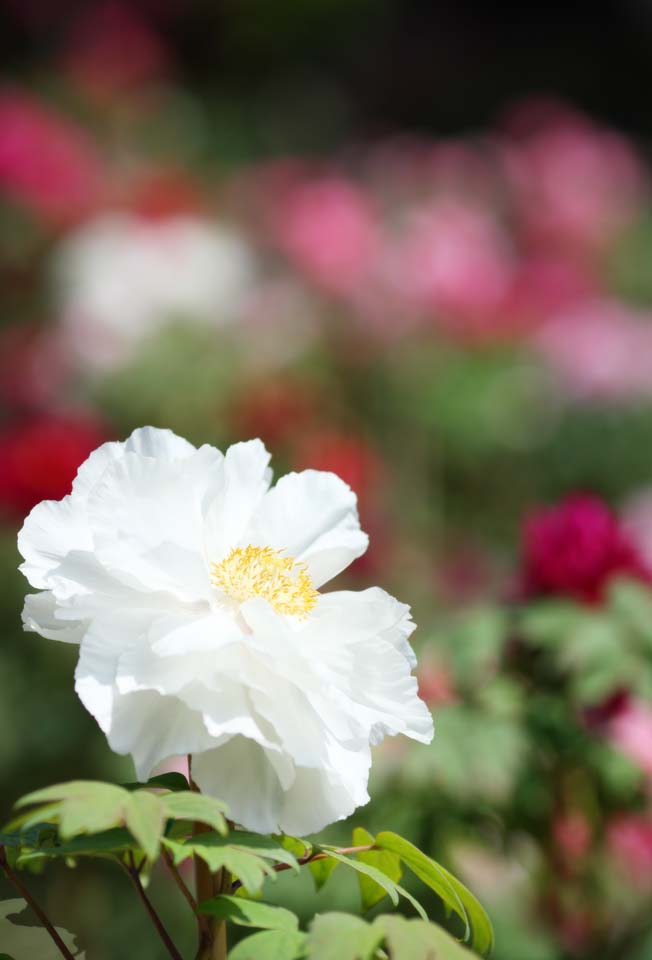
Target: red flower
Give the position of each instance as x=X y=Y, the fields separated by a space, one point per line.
x=39 y=459
x=575 y=548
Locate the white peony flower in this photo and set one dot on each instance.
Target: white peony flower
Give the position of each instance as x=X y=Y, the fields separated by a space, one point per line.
x=193 y=590
x=121 y=277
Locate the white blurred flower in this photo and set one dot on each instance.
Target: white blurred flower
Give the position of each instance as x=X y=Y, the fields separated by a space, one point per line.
x=120 y=277
x=193 y=591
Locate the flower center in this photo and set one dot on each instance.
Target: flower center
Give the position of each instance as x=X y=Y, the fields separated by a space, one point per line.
x=263 y=572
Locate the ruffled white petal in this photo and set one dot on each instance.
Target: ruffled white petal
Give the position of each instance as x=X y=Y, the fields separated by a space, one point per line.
x=313 y=516
x=236 y=492
x=39 y=617
x=145 y=519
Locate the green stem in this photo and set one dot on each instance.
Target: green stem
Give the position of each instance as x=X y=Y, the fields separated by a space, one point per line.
x=29 y=899
x=311 y=857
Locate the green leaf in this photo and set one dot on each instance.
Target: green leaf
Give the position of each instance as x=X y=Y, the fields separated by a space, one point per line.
x=165 y=781
x=419 y=940
x=249 y=868
x=109 y=842
x=341 y=936
x=82 y=806
x=88 y=807
x=387 y=863
x=454 y=894
x=250 y=913
x=145 y=818
x=371 y=873
x=300 y=848
x=188 y=805
x=245 y=855
x=321 y=870
x=270 y=945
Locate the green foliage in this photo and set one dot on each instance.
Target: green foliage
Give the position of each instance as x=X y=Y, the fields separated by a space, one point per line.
x=454 y=894
x=248 y=857
x=249 y=913
x=339 y=936
x=598 y=650
x=97 y=811
x=387 y=863
x=87 y=818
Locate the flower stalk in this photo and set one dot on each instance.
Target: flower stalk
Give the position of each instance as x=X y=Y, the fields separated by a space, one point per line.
x=38 y=910
x=134 y=874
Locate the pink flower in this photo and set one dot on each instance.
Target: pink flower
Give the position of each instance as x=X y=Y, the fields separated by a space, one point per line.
x=629 y=841
x=454 y=261
x=328 y=228
x=577 y=184
x=45 y=162
x=631 y=731
x=545 y=284
x=600 y=351
x=575 y=548
x=436 y=684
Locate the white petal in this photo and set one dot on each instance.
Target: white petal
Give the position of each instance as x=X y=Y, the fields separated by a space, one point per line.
x=313 y=517
x=241 y=773
x=153 y=728
x=236 y=493
x=145 y=519
x=367 y=663
x=39 y=616
x=244 y=775
x=161 y=444
x=52 y=530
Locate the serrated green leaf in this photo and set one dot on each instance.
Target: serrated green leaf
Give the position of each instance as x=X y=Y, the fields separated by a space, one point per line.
x=250 y=869
x=270 y=945
x=250 y=913
x=188 y=805
x=244 y=854
x=82 y=806
x=453 y=893
x=109 y=842
x=87 y=807
x=341 y=936
x=387 y=863
x=145 y=818
x=321 y=870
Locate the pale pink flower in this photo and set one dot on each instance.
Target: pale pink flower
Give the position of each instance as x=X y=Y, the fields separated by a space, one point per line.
x=629 y=841
x=328 y=228
x=454 y=261
x=600 y=351
x=631 y=731
x=576 y=183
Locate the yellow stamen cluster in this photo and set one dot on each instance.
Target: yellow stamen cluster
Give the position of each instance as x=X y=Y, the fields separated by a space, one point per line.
x=263 y=572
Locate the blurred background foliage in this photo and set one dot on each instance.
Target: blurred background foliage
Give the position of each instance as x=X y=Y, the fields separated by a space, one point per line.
x=410 y=243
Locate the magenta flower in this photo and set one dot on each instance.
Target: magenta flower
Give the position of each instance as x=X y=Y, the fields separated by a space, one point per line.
x=574 y=549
